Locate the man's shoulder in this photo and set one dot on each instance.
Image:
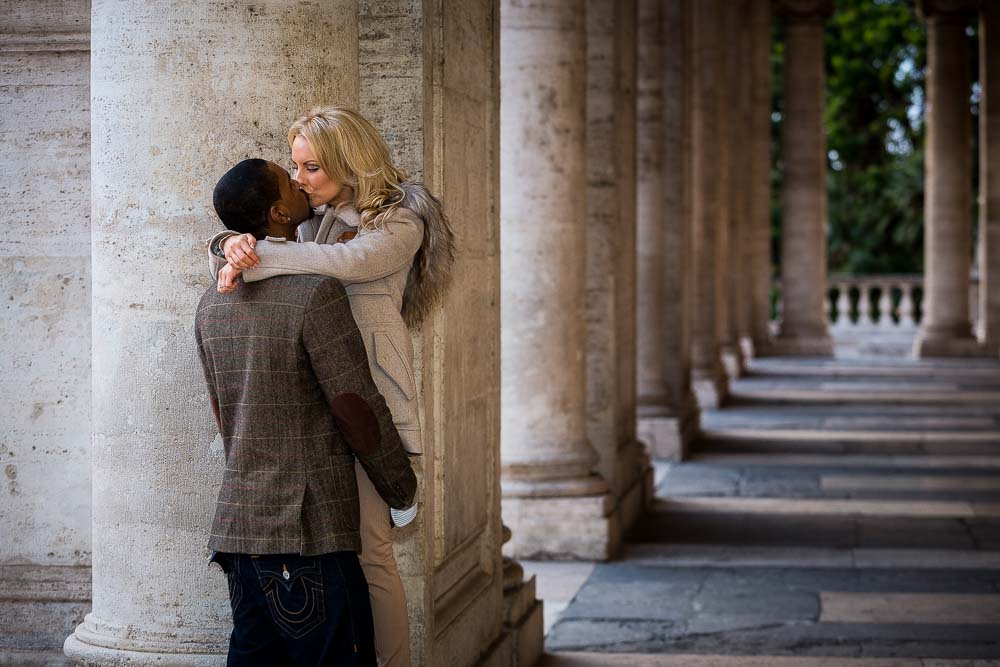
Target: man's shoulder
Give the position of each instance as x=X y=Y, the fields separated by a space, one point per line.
x=295 y=288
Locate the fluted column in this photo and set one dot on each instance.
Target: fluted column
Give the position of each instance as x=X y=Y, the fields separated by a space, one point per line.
x=759 y=216
x=803 y=153
x=173 y=106
x=667 y=412
x=989 y=177
x=708 y=376
x=45 y=327
x=553 y=500
x=946 y=329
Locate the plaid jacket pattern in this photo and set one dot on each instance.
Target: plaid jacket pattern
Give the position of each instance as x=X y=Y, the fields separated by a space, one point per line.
x=294 y=400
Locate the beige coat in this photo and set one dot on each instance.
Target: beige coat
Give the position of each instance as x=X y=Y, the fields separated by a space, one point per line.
x=373 y=267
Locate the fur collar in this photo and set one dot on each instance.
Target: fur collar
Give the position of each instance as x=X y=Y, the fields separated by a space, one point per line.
x=430 y=273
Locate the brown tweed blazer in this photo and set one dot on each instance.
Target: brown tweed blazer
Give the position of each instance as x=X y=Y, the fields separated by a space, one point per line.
x=294 y=400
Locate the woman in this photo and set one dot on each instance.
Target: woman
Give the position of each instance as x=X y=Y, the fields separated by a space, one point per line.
x=395 y=266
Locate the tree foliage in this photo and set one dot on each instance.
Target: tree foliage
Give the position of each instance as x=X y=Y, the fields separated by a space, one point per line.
x=875 y=66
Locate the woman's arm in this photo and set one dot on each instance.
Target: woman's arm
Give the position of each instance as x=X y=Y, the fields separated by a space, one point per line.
x=371 y=256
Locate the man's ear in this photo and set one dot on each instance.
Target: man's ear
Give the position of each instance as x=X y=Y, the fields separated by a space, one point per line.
x=277 y=214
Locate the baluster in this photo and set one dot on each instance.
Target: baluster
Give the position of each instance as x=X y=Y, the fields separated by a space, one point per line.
x=864 y=305
x=885 y=306
x=906 y=313
x=843 y=305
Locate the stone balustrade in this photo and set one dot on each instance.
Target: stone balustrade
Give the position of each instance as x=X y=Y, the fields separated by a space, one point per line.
x=890 y=301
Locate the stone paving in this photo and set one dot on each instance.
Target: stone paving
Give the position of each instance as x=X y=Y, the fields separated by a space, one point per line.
x=812 y=525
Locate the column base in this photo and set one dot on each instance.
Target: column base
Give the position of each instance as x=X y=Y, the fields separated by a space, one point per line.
x=930 y=345
x=710 y=388
x=562 y=528
x=95 y=642
x=523 y=623
x=801 y=346
x=747 y=348
x=732 y=361
x=43 y=603
x=668 y=433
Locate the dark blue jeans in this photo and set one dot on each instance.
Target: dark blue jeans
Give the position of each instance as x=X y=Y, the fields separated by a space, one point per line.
x=299 y=610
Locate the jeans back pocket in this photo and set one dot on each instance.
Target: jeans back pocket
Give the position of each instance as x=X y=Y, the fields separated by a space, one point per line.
x=293 y=588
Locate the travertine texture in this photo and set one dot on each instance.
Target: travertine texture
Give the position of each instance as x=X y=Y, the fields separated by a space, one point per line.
x=708 y=377
x=543 y=240
x=430 y=82
x=803 y=196
x=946 y=329
x=759 y=175
x=45 y=324
x=667 y=412
x=611 y=250
x=989 y=177
x=178 y=94
x=744 y=166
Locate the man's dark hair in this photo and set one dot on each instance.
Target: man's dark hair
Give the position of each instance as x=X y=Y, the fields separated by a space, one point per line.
x=243 y=197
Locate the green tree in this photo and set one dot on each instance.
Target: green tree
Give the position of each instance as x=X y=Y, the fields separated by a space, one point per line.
x=875 y=67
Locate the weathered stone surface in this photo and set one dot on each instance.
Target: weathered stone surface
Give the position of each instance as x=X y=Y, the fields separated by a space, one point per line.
x=803 y=196
x=45 y=325
x=169 y=95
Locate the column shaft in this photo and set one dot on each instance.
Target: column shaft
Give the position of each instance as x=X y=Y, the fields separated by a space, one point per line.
x=708 y=377
x=667 y=411
x=759 y=167
x=173 y=106
x=803 y=233
x=545 y=452
x=611 y=254
x=946 y=329
x=989 y=177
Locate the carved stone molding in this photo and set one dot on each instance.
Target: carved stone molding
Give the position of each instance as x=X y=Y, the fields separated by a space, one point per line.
x=44 y=42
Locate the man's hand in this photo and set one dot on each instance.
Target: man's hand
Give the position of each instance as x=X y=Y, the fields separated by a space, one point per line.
x=239 y=251
x=228 y=277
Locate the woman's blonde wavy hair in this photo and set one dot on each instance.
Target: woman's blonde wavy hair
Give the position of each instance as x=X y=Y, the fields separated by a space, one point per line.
x=352 y=152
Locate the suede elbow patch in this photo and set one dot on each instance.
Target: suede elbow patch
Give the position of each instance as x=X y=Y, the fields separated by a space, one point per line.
x=357 y=422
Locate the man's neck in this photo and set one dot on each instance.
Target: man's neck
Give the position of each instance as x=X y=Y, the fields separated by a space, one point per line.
x=280 y=232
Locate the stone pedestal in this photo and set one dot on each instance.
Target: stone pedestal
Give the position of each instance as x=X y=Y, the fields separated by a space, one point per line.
x=803 y=234
x=523 y=620
x=946 y=329
x=667 y=412
x=989 y=178
x=546 y=457
x=708 y=377
x=44 y=328
x=164 y=86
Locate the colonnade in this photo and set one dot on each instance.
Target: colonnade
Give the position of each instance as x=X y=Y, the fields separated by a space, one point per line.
x=606 y=167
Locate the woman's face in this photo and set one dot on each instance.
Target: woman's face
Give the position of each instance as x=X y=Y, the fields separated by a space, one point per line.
x=320 y=188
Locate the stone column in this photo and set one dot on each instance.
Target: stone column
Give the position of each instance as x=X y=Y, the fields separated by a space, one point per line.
x=989 y=178
x=45 y=327
x=553 y=500
x=611 y=255
x=727 y=242
x=709 y=379
x=179 y=92
x=759 y=168
x=803 y=152
x=743 y=168
x=667 y=412
x=430 y=81
x=946 y=329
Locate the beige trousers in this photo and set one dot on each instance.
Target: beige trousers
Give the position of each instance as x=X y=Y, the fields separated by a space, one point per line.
x=392 y=626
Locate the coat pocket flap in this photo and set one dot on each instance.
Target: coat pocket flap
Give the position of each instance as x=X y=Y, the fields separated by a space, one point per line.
x=390 y=360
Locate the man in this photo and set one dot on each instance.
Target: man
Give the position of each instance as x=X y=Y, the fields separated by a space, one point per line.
x=291 y=390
